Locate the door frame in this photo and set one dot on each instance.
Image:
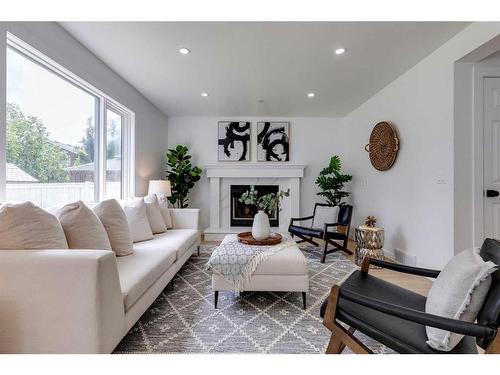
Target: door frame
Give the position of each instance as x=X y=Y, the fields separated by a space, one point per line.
x=481 y=72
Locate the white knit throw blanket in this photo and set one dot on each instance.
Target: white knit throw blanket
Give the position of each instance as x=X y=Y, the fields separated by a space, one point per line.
x=237 y=262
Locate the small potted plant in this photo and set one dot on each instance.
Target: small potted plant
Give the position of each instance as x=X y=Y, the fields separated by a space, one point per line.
x=331 y=182
x=266 y=205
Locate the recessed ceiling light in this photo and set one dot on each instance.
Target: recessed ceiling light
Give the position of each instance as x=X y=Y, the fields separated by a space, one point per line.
x=184 y=50
x=310 y=95
x=204 y=94
x=339 y=51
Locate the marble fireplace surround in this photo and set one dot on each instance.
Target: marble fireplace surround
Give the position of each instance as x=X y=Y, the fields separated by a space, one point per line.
x=223 y=175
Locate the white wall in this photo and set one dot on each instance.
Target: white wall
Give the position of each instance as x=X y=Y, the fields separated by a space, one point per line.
x=410 y=200
x=463 y=157
x=53 y=41
x=312 y=142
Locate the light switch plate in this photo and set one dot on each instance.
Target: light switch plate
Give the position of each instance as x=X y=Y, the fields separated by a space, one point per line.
x=441 y=179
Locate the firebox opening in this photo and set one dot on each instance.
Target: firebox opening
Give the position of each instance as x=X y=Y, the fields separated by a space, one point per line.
x=242 y=214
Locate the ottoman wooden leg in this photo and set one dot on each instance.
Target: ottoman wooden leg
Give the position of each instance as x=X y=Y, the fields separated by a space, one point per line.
x=304 y=299
x=216 y=297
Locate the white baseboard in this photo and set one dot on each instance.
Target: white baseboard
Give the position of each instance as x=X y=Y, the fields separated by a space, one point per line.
x=389 y=254
x=404 y=258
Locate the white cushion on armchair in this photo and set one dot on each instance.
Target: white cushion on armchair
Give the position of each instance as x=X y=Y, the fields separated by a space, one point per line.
x=325 y=215
x=458 y=293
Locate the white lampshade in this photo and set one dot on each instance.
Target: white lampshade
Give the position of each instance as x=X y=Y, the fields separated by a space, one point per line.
x=160 y=188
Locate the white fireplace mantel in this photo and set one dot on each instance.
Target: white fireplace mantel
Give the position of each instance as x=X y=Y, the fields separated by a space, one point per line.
x=222 y=175
x=255 y=170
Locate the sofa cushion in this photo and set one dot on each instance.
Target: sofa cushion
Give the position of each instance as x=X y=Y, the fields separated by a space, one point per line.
x=150 y=260
x=154 y=214
x=26 y=226
x=82 y=227
x=137 y=218
x=140 y=270
x=179 y=240
x=115 y=223
x=165 y=213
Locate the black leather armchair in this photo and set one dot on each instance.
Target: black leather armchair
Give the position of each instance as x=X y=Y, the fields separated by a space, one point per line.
x=396 y=317
x=329 y=236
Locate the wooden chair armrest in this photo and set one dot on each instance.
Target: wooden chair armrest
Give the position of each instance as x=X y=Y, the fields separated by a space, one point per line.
x=399 y=268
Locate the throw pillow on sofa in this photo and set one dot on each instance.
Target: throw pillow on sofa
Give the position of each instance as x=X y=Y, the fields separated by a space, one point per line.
x=165 y=213
x=137 y=219
x=27 y=226
x=154 y=214
x=458 y=293
x=115 y=223
x=82 y=227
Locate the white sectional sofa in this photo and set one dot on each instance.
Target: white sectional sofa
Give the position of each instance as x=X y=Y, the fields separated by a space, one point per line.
x=85 y=301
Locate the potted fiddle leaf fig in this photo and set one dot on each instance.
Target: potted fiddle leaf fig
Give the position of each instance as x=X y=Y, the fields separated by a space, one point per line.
x=182 y=175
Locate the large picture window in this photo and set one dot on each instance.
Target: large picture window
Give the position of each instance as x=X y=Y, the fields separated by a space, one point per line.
x=54 y=153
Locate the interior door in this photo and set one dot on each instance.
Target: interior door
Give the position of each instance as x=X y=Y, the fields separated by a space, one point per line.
x=491 y=132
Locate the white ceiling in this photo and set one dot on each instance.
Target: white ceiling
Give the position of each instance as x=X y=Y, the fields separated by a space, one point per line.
x=238 y=63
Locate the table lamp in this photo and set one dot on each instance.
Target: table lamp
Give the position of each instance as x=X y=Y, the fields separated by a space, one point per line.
x=161 y=188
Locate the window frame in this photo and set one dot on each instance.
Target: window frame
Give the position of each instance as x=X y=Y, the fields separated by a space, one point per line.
x=103 y=102
x=125 y=143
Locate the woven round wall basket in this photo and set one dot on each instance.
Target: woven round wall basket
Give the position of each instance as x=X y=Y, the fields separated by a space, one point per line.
x=383 y=147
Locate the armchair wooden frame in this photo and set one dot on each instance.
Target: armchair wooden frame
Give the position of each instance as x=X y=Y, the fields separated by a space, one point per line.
x=325 y=234
x=342 y=337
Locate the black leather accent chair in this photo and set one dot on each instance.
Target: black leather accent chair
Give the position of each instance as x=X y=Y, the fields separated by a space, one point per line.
x=327 y=234
x=396 y=317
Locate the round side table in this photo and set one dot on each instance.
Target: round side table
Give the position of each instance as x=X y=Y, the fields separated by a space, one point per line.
x=369 y=242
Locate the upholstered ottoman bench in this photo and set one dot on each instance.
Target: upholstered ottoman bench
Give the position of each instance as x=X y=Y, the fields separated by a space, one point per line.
x=284 y=271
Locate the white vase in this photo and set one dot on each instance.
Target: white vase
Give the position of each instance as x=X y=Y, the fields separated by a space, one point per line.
x=261 y=228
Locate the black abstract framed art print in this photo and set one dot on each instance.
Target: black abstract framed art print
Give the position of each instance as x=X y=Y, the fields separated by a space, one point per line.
x=234 y=141
x=273 y=142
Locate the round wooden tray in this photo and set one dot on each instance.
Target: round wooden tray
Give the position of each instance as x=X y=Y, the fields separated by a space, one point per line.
x=247 y=239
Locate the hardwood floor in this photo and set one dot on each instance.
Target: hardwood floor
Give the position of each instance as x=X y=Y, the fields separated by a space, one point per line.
x=417 y=284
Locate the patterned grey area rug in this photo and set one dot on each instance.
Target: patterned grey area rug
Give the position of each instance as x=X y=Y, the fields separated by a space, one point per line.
x=184 y=320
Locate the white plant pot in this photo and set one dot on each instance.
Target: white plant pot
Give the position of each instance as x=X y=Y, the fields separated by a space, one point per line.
x=261 y=228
